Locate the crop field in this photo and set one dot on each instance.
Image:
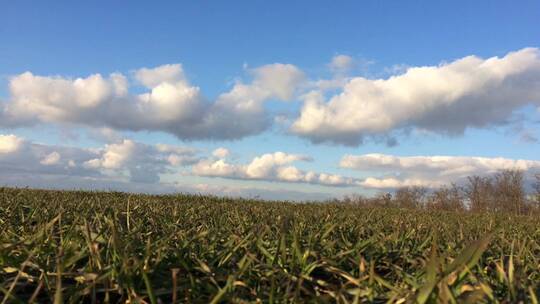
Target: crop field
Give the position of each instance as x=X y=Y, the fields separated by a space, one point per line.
x=100 y=247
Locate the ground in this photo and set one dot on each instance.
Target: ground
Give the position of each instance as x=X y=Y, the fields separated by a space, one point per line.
x=116 y=247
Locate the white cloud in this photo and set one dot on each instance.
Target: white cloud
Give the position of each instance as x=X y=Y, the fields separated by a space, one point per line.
x=171 y=103
x=141 y=162
x=470 y=92
x=216 y=168
x=447 y=99
x=168 y=73
x=52 y=99
x=132 y=166
x=51 y=159
x=430 y=171
x=114 y=155
x=126 y=160
x=264 y=165
x=278 y=80
x=270 y=167
x=395 y=183
x=40 y=159
x=241 y=112
x=341 y=63
x=9 y=143
x=104 y=134
x=221 y=152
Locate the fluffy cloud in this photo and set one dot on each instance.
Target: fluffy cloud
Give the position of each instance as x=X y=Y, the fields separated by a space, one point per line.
x=171 y=104
x=104 y=135
x=52 y=159
x=126 y=160
x=277 y=80
x=221 y=152
x=132 y=166
x=429 y=171
x=168 y=73
x=271 y=167
x=27 y=158
x=141 y=162
x=470 y=92
x=9 y=143
x=446 y=99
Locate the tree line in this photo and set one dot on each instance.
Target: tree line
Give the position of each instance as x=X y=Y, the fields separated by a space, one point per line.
x=503 y=192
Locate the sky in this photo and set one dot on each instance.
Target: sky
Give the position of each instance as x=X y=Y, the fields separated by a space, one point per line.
x=298 y=100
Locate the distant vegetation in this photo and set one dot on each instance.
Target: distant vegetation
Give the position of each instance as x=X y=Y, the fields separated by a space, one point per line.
x=503 y=192
x=121 y=248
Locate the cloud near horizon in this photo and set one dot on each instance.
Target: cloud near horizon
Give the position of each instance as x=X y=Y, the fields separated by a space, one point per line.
x=429 y=171
x=269 y=167
x=129 y=165
x=131 y=161
x=115 y=167
x=126 y=160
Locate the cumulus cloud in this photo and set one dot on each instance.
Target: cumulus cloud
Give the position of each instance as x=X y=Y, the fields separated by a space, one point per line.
x=104 y=134
x=446 y=99
x=271 y=167
x=29 y=158
x=171 y=104
x=51 y=159
x=131 y=162
x=127 y=160
x=9 y=143
x=132 y=166
x=142 y=162
x=277 y=80
x=168 y=73
x=429 y=171
x=221 y=152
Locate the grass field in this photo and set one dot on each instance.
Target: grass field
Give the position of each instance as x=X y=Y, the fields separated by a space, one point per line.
x=115 y=247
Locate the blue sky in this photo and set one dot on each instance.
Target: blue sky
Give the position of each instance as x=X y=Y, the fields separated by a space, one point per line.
x=221 y=44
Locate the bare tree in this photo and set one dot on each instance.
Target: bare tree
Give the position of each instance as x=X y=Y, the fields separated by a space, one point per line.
x=479 y=193
x=356 y=199
x=509 y=192
x=501 y=192
x=536 y=194
x=410 y=197
x=384 y=199
x=447 y=198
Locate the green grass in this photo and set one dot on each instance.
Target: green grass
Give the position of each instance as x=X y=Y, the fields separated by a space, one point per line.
x=114 y=247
